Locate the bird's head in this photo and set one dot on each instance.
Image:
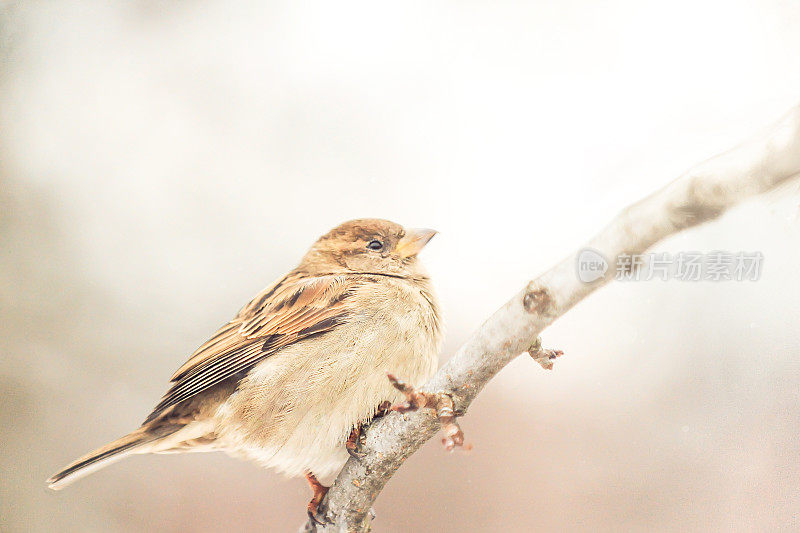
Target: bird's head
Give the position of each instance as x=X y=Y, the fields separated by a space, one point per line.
x=368 y=245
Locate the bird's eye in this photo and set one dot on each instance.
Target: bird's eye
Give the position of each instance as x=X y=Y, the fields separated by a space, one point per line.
x=375 y=245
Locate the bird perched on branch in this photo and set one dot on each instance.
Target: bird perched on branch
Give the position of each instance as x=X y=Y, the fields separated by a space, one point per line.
x=289 y=381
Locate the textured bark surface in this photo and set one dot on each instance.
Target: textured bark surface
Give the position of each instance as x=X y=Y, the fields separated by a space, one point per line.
x=700 y=195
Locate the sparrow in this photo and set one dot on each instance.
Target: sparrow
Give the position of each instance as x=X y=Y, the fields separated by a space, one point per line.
x=289 y=382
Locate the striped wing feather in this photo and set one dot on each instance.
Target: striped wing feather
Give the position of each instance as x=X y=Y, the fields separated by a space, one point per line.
x=294 y=308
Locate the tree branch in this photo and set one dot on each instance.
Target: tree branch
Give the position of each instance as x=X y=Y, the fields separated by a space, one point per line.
x=701 y=194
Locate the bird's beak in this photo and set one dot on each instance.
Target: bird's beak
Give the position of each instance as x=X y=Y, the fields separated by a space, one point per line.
x=414 y=241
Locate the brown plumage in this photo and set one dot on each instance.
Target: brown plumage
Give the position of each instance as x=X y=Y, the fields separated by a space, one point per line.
x=304 y=363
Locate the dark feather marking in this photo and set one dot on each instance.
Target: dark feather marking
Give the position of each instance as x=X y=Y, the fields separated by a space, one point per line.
x=271 y=340
x=278 y=306
x=268 y=295
x=322 y=325
x=342 y=296
x=293 y=299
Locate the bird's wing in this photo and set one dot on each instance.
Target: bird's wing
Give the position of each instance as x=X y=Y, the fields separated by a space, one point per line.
x=292 y=309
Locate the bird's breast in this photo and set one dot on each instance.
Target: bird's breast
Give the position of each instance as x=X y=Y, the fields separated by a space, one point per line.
x=306 y=398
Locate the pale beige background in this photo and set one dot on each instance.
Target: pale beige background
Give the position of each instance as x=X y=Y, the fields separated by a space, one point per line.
x=163 y=161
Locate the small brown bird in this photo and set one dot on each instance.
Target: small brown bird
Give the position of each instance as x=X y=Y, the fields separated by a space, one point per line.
x=289 y=381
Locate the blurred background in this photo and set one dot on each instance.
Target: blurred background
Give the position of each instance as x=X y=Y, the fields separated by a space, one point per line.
x=161 y=162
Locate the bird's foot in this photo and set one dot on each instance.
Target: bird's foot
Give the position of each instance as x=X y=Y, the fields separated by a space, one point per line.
x=314 y=515
x=441 y=402
x=544 y=356
x=357 y=438
x=355 y=441
x=383 y=409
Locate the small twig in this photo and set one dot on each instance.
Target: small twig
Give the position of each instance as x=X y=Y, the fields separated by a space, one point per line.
x=544 y=356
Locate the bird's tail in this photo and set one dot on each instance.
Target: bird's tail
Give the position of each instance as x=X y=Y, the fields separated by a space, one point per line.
x=101 y=457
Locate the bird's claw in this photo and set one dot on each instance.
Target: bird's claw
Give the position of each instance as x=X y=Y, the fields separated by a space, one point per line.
x=383 y=409
x=355 y=454
x=355 y=441
x=441 y=402
x=316 y=517
x=312 y=517
x=358 y=439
